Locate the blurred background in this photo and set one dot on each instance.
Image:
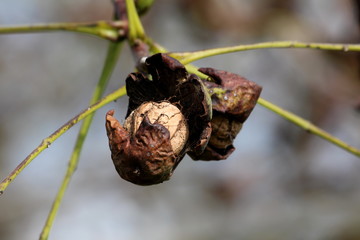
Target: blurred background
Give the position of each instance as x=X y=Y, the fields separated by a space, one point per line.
x=280 y=183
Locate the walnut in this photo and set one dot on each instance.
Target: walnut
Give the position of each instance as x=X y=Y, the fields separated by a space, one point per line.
x=168 y=115
x=146 y=150
x=172 y=113
x=163 y=113
x=233 y=98
x=224 y=131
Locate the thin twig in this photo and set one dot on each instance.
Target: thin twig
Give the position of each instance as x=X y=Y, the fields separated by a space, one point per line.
x=109 y=65
x=55 y=135
x=308 y=126
x=188 y=57
x=104 y=29
x=136 y=29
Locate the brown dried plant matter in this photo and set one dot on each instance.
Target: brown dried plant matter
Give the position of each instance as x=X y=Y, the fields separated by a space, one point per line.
x=171 y=114
x=145 y=150
x=163 y=113
x=168 y=115
x=233 y=98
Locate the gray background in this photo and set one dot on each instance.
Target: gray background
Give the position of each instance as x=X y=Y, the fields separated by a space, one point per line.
x=281 y=183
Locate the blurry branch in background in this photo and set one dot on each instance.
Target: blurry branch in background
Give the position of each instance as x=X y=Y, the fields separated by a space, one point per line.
x=188 y=57
x=55 y=135
x=126 y=11
x=111 y=30
x=109 y=65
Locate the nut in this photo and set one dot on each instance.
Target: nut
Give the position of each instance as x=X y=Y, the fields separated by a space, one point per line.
x=163 y=113
x=167 y=80
x=143 y=156
x=168 y=115
x=233 y=98
x=224 y=131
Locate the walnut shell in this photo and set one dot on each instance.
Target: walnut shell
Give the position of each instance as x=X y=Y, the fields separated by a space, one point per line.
x=148 y=147
x=163 y=113
x=168 y=80
x=233 y=98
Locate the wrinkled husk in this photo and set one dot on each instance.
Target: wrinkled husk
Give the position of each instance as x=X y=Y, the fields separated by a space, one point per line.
x=142 y=152
x=233 y=98
x=146 y=157
x=168 y=81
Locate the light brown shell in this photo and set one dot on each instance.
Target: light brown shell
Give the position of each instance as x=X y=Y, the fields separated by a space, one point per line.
x=163 y=113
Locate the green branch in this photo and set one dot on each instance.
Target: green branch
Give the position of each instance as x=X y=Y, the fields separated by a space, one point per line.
x=308 y=126
x=55 y=135
x=188 y=57
x=304 y=124
x=136 y=30
x=108 y=30
x=142 y=6
x=110 y=62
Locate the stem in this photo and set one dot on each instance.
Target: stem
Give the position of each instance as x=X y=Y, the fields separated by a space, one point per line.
x=111 y=59
x=308 y=126
x=154 y=47
x=55 y=135
x=187 y=57
x=108 y=30
x=136 y=30
x=142 y=6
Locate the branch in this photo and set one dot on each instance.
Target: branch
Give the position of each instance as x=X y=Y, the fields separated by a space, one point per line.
x=55 y=135
x=188 y=57
x=108 y=30
x=136 y=30
x=109 y=65
x=308 y=126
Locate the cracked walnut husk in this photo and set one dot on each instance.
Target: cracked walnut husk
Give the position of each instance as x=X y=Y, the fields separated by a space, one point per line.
x=233 y=98
x=163 y=113
x=172 y=113
x=145 y=149
x=169 y=114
